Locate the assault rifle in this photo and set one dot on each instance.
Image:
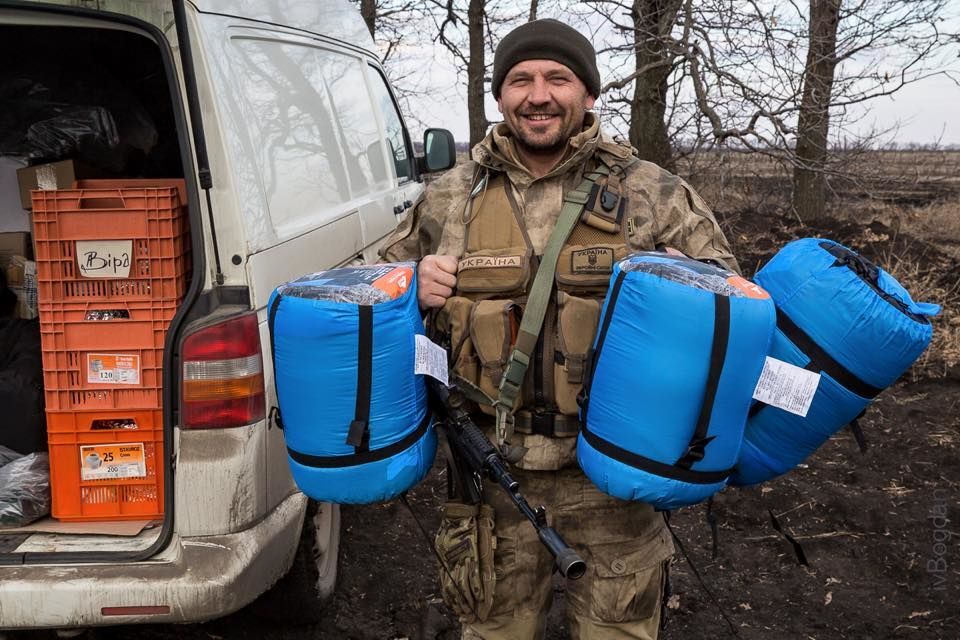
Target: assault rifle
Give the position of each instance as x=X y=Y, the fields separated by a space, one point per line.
x=476 y=456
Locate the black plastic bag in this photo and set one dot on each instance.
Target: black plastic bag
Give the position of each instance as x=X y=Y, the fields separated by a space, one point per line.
x=24 y=490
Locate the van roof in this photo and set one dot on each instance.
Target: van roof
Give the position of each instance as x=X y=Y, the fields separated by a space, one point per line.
x=335 y=19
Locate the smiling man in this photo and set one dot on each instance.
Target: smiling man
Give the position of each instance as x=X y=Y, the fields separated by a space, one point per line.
x=479 y=234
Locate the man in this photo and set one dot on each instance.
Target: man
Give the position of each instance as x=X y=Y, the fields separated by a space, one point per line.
x=479 y=234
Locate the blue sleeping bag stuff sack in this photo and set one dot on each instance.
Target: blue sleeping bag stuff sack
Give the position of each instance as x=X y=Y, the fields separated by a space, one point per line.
x=354 y=415
x=680 y=348
x=845 y=318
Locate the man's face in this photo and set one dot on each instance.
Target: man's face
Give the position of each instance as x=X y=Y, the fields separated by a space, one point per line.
x=543 y=103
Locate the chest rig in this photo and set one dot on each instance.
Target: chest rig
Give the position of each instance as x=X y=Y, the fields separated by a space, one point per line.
x=520 y=325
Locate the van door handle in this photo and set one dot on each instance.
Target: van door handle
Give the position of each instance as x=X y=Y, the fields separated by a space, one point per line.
x=397 y=209
x=407 y=204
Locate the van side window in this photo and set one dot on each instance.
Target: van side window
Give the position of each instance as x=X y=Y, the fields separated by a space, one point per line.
x=396 y=136
x=312 y=129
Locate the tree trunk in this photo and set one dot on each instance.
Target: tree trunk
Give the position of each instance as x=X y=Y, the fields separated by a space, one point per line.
x=653 y=21
x=813 y=124
x=534 y=5
x=368 y=10
x=476 y=70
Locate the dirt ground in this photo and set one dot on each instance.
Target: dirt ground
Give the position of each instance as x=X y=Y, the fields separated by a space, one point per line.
x=878 y=529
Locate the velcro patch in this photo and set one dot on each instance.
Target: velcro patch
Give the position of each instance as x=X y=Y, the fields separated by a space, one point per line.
x=592 y=260
x=490 y=262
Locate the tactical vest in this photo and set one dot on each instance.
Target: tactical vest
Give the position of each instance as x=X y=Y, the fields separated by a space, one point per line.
x=495 y=272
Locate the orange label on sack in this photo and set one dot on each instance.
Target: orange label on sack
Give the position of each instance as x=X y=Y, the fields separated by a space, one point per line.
x=113 y=368
x=112 y=461
x=748 y=288
x=395 y=283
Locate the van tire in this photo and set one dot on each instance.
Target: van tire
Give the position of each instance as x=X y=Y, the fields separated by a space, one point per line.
x=299 y=597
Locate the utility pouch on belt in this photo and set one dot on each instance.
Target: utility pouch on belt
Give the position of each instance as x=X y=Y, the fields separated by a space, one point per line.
x=466 y=543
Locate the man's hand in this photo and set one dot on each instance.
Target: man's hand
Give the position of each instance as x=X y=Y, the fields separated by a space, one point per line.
x=436 y=278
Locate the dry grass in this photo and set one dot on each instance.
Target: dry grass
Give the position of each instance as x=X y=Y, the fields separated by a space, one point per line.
x=928 y=286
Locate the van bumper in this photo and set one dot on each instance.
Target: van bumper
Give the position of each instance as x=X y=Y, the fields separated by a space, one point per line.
x=194 y=580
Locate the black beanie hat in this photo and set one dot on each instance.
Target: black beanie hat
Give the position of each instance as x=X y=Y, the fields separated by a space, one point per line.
x=547 y=40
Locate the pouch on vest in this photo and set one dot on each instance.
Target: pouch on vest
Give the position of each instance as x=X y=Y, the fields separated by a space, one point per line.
x=481 y=335
x=577 y=320
x=454 y=321
x=493 y=331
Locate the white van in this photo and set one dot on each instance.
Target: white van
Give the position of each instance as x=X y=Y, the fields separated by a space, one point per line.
x=281 y=120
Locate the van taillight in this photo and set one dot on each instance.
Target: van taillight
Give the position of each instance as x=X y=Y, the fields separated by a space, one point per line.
x=223 y=375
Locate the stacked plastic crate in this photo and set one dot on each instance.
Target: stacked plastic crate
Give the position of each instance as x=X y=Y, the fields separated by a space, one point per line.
x=112 y=268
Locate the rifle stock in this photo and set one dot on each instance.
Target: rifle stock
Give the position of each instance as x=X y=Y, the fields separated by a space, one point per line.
x=477 y=456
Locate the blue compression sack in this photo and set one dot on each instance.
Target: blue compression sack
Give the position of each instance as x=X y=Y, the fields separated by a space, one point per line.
x=680 y=348
x=844 y=318
x=355 y=417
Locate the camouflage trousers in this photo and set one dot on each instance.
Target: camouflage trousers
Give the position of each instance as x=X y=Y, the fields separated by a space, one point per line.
x=625 y=545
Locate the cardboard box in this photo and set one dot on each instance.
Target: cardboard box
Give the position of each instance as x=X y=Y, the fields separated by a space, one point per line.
x=12 y=215
x=14 y=244
x=22 y=276
x=53 y=175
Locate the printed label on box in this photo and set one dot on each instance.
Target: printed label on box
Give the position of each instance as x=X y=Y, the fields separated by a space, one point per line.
x=104 y=258
x=113 y=368
x=112 y=461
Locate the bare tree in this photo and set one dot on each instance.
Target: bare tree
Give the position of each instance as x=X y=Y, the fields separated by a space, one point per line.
x=781 y=79
x=813 y=121
x=483 y=20
x=476 y=71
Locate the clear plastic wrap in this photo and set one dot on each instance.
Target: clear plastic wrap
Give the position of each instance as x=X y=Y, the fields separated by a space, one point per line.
x=363 y=284
x=686 y=271
x=8 y=455
x=24 y=490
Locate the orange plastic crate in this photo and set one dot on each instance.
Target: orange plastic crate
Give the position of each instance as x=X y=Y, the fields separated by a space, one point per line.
x=85 y=445
x=103 y=355
x=122 y=223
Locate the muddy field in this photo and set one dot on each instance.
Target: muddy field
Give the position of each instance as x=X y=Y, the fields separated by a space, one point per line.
x=878 y=529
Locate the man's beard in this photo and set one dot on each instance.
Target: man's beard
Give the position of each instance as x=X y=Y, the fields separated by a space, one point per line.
x=548 y=147
x=569 y=127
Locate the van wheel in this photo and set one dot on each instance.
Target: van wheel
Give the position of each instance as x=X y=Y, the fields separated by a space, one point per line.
x=299 y=597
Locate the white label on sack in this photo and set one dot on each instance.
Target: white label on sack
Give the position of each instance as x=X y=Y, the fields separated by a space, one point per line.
x=104 y=258
x=786 y=386
x=431 y=359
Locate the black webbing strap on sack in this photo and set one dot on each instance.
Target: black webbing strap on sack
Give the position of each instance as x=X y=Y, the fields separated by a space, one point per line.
x=594 y=355
x=674 y=471
x=820 y=360
x=718 y=354
x=358 y=436
x=271 y=319
x=371 y=455
x=664 y=470
x=797 y=548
